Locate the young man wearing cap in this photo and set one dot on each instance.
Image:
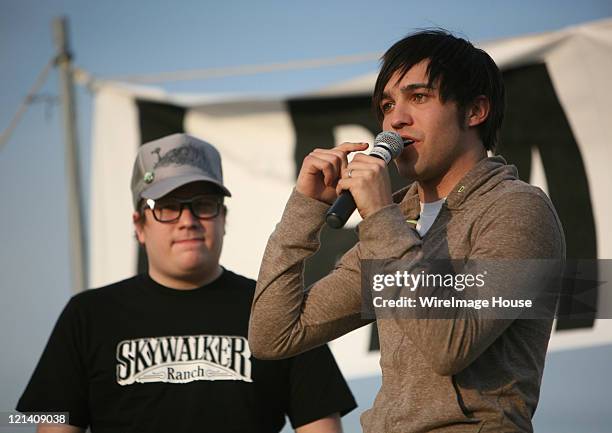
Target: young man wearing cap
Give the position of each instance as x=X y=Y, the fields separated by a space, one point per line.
x=167 y=351
x=449 y=369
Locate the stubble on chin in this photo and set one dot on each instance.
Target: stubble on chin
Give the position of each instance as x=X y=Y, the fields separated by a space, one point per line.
x=406 y=168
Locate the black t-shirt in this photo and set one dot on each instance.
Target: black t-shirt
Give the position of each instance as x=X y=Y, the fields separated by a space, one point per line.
x=136 y=356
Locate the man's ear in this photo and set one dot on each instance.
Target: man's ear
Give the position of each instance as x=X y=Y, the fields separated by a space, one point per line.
x=478 y=111
x=138 y=220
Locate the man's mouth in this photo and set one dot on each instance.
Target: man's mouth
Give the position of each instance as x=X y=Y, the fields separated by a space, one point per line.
x=190 y=240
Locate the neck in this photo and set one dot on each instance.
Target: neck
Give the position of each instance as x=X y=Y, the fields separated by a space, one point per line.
x=434 y=189
x=189 y=282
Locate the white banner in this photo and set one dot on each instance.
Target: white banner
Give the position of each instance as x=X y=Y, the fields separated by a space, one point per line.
x=261 y=140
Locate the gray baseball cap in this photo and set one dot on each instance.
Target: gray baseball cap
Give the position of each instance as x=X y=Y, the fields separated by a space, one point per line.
x=170 y=162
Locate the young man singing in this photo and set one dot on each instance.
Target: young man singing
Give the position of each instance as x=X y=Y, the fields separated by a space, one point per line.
x=453 y=372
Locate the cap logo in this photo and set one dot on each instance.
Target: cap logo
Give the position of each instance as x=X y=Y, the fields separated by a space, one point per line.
x=186 y=155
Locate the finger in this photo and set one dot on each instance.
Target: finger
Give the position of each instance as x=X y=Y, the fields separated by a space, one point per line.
x=355 y=173
x=346 y=183
x=330 y=153
x=344 y=148
x=341 y=156
x=334 y=159
x=351 y=147
x=315 y=164
x=358 y=175
x=363 y=169
x=361 y=165
x=343 y=184
x=360 y=157
x=341 y=152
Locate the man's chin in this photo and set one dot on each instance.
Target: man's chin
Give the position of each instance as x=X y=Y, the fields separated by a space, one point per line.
x=190 y=274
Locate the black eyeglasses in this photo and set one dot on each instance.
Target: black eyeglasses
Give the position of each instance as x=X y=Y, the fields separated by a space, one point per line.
x=169 y=210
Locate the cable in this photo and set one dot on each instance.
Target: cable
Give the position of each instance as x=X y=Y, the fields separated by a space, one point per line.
x=40 y=80
x=86 y=79
x=200 y=74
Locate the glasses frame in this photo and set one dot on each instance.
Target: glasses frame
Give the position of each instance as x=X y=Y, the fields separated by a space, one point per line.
x=150 y=204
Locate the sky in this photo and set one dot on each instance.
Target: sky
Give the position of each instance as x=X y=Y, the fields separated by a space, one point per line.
x=117 y=38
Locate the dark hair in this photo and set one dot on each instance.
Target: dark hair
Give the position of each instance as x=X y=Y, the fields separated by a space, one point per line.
x=462 y=71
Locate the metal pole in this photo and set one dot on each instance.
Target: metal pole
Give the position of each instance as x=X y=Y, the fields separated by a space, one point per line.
x=75 y=209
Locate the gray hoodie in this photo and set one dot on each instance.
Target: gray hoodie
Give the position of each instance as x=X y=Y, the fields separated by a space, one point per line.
x=464 y=373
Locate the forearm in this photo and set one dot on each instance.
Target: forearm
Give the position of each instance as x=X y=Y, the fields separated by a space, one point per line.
x=284 y=319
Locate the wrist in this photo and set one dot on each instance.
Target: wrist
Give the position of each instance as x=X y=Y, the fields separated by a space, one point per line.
x=374 y=208
x=386 y=234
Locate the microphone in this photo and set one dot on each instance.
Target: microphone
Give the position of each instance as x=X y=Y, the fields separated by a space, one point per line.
x=387 y=146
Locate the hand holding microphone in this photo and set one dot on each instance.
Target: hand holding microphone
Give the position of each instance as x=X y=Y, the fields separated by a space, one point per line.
x=324 y=176
x=321 y=170
x=367 y=185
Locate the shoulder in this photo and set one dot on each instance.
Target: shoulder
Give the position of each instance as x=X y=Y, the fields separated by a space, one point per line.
x=520 y=199
x=241 y=287
x=102 y=295
x=98 y=293
x=516 y=215
x=238 y=281
x=494 y=185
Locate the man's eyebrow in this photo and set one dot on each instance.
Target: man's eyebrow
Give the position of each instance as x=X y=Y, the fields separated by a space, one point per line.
x=408 y=88
x=415 y=86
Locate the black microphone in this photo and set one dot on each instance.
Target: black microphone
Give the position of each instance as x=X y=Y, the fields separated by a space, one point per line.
x=387 y=146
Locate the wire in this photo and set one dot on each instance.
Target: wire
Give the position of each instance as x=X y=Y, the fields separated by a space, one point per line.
x=200 y=74
x=40 y=80
x=86 y=79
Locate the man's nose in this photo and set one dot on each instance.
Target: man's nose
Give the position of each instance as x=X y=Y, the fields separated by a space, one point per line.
x=187 y=218
x=400 y=117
